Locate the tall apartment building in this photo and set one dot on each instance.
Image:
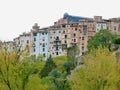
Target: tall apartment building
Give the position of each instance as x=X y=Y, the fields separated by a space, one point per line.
x=113 y=25
x=77 y=33
x=41 y=43
x=33 y=36
x=55 y=37
x=10 y=45
x=22 y=41
x=72 y=32
x=66 y=37
x=100 y=23
x=87 y=30
x=17 y=42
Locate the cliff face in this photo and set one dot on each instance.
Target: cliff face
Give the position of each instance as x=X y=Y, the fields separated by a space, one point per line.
x=118 y=53
x=116 y=49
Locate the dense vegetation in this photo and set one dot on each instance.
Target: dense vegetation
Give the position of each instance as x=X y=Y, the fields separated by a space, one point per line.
x=103 y=38
x=100 y=71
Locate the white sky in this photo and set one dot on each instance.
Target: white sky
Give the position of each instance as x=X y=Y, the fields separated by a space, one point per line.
x=17 y=16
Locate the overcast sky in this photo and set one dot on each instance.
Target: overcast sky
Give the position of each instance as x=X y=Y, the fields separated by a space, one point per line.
x=17 y=16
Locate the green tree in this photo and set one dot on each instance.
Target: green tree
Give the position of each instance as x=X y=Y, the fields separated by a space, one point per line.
x=72 y=56
x=49 y=66
x=117 y=41
x=59 y=80
x=0 y=44
x=103 y=37
x=72 y=52
x=35 y=83
x=15 y=71
x=40 y=57
x=59 y=63
x=99 y=72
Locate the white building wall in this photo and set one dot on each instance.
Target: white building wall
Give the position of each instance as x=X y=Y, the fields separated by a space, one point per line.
x=24 y=41
x=100 y=26
x=41 y=44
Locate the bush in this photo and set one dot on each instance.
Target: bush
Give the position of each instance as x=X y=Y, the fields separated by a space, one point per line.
x=117 y=41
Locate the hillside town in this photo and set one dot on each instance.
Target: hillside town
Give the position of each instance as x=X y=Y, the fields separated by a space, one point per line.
x=67 y=31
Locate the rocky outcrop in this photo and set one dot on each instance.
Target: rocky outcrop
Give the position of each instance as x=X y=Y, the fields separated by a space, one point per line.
x=116 y=50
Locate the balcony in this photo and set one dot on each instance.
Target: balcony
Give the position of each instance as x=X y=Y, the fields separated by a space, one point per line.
x=57 y=44
x=57 y=41
x=64 y=46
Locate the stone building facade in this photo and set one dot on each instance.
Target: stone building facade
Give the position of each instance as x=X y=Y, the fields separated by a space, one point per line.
x=67 y=31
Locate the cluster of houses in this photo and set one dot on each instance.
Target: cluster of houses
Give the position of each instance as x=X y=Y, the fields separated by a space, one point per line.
x=67 y=31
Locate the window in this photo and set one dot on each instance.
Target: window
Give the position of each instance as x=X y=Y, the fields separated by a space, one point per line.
x=82 y=38
x=56 y=53
x=42 y=33
x=43 y=39
x=59 y=31
x=34 y=50
x=84 y=29
x=43 y=45
x=43 y=49
x=65 y=41
x=34 y=39
x=114 y=27
x=74 y=34
x=34 y=34
x=74 y=40
x=56 y=48
x=63 y=31
x=65 y=36
x=82 y=53
x=82 y=43
x=82 y=48
x=40 y=43
x=44 y=55
x=27 y=41
x=63 y=26
x=75 y=29
x=101 y=26
x=57 y=38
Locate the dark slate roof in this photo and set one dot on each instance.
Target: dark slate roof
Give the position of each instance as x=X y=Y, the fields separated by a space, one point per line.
x=72 y=18
x=43 y=30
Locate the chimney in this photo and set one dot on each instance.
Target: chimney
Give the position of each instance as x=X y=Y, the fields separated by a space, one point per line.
x=98 y=18
x=35 y=27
